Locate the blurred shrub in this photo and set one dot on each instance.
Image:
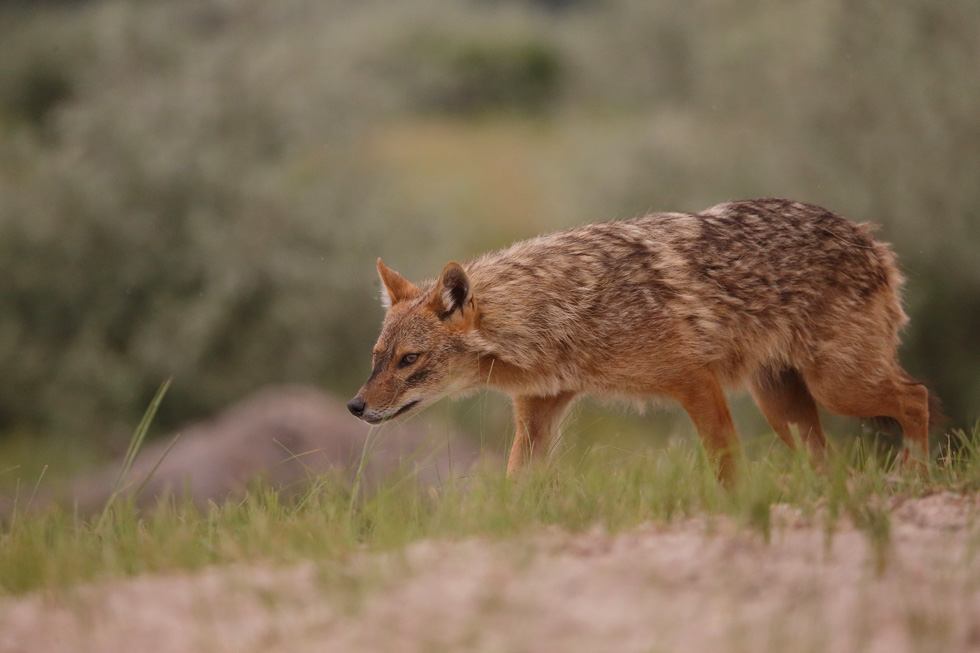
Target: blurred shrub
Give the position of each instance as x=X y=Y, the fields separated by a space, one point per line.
x=480 y=76
x=200 y=188
x=193 y=213
x=36 y=89
x=39 y=69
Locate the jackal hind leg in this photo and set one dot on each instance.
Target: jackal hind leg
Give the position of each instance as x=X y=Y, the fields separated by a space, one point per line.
x=536 y=419
x=784 y=400
x=703 y=399
x=886 y=393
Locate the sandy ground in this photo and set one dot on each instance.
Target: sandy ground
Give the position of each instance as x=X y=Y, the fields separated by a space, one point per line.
x=697 y=585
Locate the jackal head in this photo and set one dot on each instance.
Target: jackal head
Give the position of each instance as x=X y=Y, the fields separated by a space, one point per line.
x=423 y=352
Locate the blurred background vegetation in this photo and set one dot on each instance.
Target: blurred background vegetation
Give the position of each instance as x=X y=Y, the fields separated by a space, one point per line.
x=200 y=189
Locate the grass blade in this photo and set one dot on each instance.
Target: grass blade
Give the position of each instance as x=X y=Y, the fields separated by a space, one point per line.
x=135 y=443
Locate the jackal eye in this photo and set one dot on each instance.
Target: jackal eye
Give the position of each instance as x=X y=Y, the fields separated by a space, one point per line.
x=408 y=359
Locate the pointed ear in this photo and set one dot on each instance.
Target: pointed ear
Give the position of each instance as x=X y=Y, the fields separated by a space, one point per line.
x=396 y=287
x=453 y=293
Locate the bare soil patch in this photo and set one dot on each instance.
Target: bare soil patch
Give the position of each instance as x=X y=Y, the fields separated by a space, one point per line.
x=697 y=585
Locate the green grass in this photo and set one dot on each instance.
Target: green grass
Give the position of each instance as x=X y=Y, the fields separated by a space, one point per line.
x=581 y=488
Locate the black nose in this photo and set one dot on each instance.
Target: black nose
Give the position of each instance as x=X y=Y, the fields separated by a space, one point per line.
x=356 y=406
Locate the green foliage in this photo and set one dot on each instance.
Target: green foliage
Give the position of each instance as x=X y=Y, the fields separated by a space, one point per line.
x=35 y=77
x=479 y=76
x=200 y=189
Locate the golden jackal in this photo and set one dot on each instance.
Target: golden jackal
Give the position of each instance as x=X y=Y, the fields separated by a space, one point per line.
x=795 y=301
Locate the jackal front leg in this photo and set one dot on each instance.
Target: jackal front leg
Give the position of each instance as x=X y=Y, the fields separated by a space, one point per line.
x=704 y=401
x=536 y=419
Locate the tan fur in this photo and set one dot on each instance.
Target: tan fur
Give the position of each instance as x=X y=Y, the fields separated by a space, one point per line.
x=798 y=303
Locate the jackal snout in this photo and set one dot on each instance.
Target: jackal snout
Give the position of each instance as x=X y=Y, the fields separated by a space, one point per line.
x=373 y=415
x=356 y=406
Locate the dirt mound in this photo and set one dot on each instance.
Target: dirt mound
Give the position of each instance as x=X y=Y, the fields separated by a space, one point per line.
x=698 y=585
x=285 y=435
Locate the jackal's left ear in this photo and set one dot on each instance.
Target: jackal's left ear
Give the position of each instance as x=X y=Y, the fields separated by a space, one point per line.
x=396 y=287
x=453 y=293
